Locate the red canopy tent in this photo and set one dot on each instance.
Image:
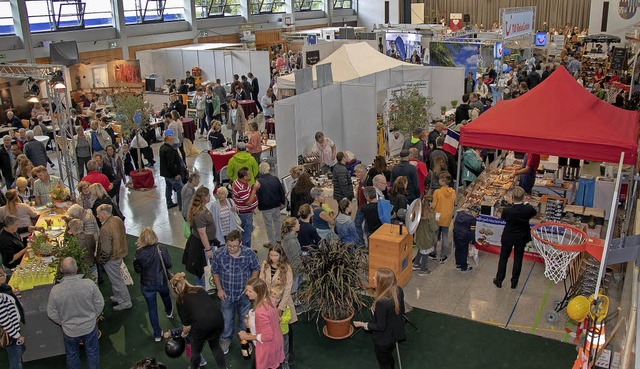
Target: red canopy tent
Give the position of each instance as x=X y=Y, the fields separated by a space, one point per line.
x=558 y=117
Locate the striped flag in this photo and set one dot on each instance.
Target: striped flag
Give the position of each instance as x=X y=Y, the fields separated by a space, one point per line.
x=451 y=142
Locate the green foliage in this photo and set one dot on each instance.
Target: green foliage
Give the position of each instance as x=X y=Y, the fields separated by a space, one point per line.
x=409 y=110
x=71 y=248
x=443 y=108
x=41 y=245
x=126 y=105
x=335 y=287
x=454 y=103
x=440 y=54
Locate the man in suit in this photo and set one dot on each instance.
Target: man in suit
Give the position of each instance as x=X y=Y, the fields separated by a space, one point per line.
x=515 y=236
x=255 y=89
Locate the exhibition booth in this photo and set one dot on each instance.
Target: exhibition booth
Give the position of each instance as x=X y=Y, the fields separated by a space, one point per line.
x=579 y=126
x=216 y=61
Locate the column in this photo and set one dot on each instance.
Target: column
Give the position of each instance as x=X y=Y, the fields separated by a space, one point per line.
x=119 y=24
x=190 y=17
x=21 y=25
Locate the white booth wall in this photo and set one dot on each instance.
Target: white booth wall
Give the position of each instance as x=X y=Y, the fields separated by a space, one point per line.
x=327 y=48
x=346 y=112
x=222 y=64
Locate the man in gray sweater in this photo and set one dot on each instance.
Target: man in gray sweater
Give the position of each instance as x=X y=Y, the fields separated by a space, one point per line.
x=75 y=304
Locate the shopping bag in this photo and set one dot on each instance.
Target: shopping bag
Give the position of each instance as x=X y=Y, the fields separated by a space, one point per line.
x=126 y=276
x=238 y=221
x=209 y=286
x=186 y=230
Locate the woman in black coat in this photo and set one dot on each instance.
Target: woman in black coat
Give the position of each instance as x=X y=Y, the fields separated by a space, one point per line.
x=301 y=193
x=387 y=325
x=201 y=320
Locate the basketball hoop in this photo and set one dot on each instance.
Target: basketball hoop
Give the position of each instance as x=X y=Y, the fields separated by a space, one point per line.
x=558 y=244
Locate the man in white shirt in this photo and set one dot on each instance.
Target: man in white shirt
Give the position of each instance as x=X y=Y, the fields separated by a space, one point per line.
x=267 y=102
x=325 y=149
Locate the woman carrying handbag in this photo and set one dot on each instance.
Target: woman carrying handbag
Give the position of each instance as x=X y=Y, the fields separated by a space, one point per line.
x=152 y=261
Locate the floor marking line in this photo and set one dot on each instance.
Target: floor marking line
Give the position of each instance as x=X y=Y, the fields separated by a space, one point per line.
x=521 y=291
x=541 y=308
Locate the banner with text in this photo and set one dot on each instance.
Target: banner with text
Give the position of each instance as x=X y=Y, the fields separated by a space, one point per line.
x=517 y=22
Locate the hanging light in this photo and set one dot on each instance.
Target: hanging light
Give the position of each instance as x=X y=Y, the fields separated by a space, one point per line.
x=58 y=81
x=59 y=86
x=33 y=100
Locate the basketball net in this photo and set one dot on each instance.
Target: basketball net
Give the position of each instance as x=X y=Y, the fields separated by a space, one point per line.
x=558 y=244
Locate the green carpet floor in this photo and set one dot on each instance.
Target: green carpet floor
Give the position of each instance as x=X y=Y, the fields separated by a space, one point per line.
x=440 y=341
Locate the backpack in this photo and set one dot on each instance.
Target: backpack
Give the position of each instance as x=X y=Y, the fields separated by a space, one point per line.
x=384 y=210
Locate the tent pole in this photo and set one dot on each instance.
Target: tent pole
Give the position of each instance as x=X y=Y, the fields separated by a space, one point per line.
x=631 y=198
x=612 y=221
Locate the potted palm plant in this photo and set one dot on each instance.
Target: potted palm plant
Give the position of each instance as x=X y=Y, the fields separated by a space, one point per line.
x=334 y=289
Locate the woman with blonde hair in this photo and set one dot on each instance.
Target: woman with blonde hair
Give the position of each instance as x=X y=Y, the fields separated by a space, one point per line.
x=425 y=237
x=24 y=192
x=99 y=197
x=201 y=319
x=203 y=235
x=265 y=327
x=25 y=214
x=215 y=136
x=236 y=121
x=386 y=324
x=153 y=262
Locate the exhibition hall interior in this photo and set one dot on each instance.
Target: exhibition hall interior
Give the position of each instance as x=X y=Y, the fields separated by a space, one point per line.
x=315 y=184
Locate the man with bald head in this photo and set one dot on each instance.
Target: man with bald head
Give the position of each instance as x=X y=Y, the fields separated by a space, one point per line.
x=7 y=160
x=75 y=304
x=380 y=184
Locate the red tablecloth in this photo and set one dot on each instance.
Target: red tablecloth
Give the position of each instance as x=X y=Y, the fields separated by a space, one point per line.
x=248 y=106
x=189 y=128
x=142 y=179
x=219 y=159
x=270 y=126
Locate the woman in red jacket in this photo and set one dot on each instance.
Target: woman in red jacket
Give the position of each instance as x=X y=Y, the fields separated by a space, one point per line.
x=265 y=326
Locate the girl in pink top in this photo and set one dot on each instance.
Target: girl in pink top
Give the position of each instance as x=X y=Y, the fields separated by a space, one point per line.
x=265 y=326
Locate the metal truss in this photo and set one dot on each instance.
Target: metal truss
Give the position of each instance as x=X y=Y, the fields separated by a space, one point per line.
x=59 y=116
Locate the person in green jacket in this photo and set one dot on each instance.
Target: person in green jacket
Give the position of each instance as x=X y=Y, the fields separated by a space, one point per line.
x=425 y=237
x=242 y=159
x=472 y=166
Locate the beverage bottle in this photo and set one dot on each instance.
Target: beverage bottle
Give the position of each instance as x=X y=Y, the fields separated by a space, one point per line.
x=245 y=346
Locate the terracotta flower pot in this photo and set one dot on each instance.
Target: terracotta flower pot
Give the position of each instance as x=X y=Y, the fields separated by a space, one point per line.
x=338 y=329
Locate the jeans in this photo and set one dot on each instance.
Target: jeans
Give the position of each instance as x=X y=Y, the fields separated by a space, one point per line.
x=235 y=133
x=170 y=185
x=149 y=293
x=82 y=165
x=91 y=348
x=119 y=289
x=204 y=126
x=359 y=222
x=443 y=233
x=325 y=234
x=297 y=279
x=246 y=222
x=272 y=224
x=229 y=310
x=14 y=352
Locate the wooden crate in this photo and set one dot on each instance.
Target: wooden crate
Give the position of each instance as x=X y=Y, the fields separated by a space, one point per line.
x=389 y=249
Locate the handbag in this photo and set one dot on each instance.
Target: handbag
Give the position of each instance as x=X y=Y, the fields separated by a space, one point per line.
x=209 y=286
x=186 y=230
x=126 y=276
x=5 y=340
x=238 y=221
x=167 y=274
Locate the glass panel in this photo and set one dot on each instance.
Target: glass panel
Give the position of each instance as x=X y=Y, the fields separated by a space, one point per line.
x=174 y=10
x=97 y=14
x=38 y=15
x=342 y=4
x=132 y=13
x=6 y=18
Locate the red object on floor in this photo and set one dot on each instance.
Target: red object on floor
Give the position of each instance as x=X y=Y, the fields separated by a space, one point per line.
x=142 y=179
x=220 y=159
x=189 y=127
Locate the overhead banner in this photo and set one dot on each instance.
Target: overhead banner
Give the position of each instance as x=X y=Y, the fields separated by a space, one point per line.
x=455 y=22
x=517 y=22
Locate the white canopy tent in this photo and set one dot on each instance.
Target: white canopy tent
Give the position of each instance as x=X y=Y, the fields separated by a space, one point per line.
x=350 y=62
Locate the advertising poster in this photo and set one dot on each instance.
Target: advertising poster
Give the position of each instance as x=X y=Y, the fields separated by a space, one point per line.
x=455 y=22
x=488 y=233
x=402 y=45
x=444 y=54
x=124 y=73
x=247 y=35
x=517 y=22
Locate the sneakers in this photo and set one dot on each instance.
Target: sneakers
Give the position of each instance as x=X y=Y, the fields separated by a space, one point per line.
x=157 y=339
x=123 y=306
x=432 y=255
x=114 y=299
x=424 y=272
x=415 y=267
x=203 y=362
x=443 y=260
x=170 y=315
x=469 y=268
x=224 y=345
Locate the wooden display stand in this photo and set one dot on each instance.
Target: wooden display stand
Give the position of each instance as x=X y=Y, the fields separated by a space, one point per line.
x=389 y=249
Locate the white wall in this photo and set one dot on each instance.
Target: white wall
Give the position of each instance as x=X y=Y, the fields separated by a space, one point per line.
x=370 y=12
x=616 y=25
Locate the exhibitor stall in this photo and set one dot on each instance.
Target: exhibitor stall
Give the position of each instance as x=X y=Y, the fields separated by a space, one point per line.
x=578 y=126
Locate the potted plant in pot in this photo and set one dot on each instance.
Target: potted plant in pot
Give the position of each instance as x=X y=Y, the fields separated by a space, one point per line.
x=334 y=289
x=443 y=110
x=61 y=196
x=454 y=104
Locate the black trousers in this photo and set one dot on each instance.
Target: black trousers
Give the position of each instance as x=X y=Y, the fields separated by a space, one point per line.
x=257 y=100
x=147 y=153
x=384 y=354
x=508 y=244
x=197 y=343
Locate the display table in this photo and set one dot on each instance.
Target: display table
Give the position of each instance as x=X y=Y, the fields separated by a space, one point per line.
x=4 y=130
x=43 y=337
x=249 y=107
x=189 y=127
x=142 y=179
x=220 y=157
x=389 y=249
x=43 y=139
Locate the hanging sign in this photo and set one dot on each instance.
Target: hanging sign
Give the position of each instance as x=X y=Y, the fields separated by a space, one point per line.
x=517 y=22
x=455 y=22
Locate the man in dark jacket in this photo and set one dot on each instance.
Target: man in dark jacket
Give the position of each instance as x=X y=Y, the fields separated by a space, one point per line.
x=246 y=86
x=170 y=169
x=462 y=111
x=6 y=161
x=533 y=79
x=12 y=121
x=255 y=89
x=438 y=128
x=516 y=234
x=107 y=170
x=469 y=83
x=176 y=104
x=452 y=164
x=271 y=199
x=406 y=169
x=342 y=185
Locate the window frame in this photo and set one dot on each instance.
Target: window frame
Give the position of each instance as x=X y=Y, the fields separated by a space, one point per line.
x=12 y=24
x=56 y=16
x=224 y=6
x=270 y=4
x=298 y=5
x=141 y=12
x=335 y=4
